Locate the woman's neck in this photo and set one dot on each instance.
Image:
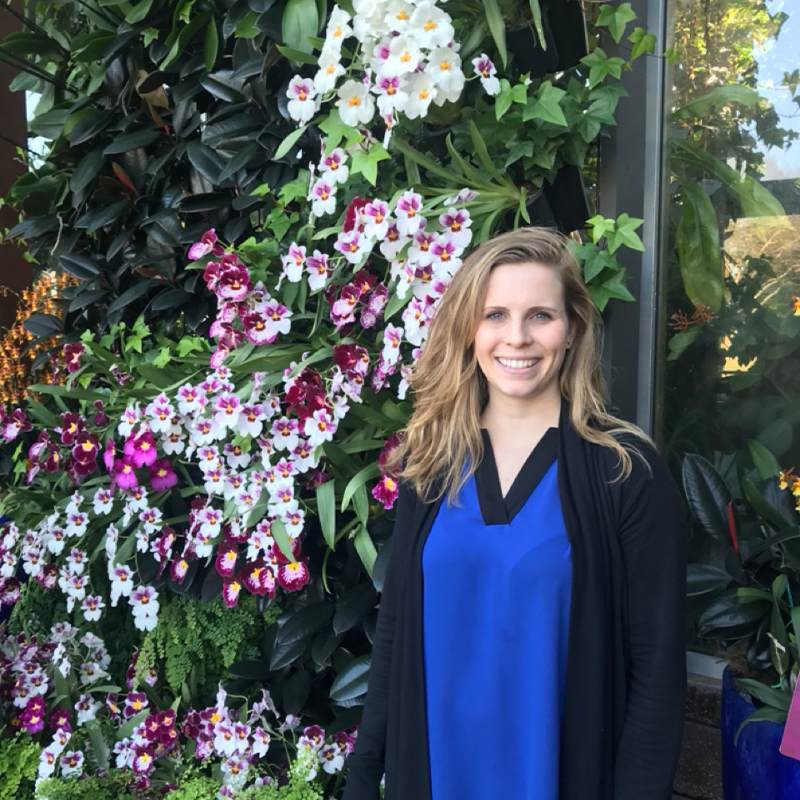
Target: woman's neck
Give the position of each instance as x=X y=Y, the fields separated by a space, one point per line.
x=503 y=415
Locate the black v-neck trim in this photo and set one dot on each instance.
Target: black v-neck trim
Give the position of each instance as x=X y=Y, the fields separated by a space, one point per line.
x=499 y=510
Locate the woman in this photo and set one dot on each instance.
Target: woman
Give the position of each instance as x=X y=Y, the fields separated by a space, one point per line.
x=529 y=644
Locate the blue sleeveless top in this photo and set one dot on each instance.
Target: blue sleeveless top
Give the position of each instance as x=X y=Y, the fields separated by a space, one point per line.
x=497 y=578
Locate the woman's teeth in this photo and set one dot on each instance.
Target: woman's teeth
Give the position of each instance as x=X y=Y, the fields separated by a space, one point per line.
x=515 y=364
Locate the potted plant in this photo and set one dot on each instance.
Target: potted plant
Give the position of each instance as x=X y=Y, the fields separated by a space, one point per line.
x=747 y=584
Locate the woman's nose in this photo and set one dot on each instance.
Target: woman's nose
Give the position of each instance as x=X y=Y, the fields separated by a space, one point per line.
x=518 y=333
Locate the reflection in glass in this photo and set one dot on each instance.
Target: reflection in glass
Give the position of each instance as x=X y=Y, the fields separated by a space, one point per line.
x=732 y=367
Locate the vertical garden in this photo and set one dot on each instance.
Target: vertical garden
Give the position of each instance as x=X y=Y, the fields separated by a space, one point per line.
x=241 y=216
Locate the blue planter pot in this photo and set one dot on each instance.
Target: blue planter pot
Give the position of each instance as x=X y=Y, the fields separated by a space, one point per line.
x=754 y=769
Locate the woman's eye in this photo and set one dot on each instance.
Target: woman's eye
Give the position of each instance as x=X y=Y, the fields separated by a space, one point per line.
x=542 y=315
x=494 y=315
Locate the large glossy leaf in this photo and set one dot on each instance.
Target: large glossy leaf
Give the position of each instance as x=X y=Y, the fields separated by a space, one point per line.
x=100 y=217
x=297 y=633
x=80 y=266
x=728 y=619
x=708 y=496
x=43 y=325
x=87 y=170
x=295 y=693
x=704 y=578
x=134 y=293
x=697 y=242
x=132 y=140
x=324 y=644
x=353 y=606
x=300 y=20
x=352 y=682
x=88 y=127
x=762 y=506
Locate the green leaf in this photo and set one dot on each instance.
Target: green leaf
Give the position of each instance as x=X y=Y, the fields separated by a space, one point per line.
x=239 y=161
x=704 y=578
x=353 y=606
x=352 y=682
x=755 y=199
x=642 y=43
x=625 y=233
x=297 y=633
x=483 y=155
x=776 y=698
x=699 y=255
x=134 y=722
x=365 y=548
x=503 y=100
x=335 y=130
x=300 y=20
x=286 y=145
x=599 y=227
x=326 y=510
x=763 y=459
x=763 y=508
x=282 y=539
x=600 y=66
x=99 y=746
x=211 y=45
x=497 y=26
x=185 y=36
x=246 y=28
x=766 y=714
x=365 y=474
x=132 y=141
x=717 y=98
x=366 y=163
x=134 y=293
x=615 y=19
x=297 y=56
x=138 y=12
x=547 y=105
x=87 y=170
x=680 y=341
x=425 y=162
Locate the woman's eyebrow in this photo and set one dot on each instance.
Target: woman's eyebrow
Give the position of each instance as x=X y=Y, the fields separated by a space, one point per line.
x=496 y=307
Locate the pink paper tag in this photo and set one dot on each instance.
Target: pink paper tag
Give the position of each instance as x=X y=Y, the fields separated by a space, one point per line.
x=790 y=744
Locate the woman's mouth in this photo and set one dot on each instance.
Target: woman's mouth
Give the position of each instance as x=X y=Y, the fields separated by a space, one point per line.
x=517 y=365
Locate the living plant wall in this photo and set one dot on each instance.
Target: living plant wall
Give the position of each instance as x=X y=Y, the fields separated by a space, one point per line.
x=260 y=203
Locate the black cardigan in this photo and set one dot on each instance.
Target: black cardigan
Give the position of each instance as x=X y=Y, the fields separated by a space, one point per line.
x=626 y=662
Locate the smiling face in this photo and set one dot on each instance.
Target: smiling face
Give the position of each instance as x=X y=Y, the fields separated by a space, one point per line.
x=523 y=334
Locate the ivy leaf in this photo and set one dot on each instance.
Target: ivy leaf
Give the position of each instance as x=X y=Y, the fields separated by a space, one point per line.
x=547 y=105
x=162 y=359
x=189 y=344
x=366 y=162
x=600 y=65
x=642 y=43
x=616 y=19
x=599 y=227
x=625 y=233
x=336 y=130
x=595 y=261
x=519 y=150
x=616 y=288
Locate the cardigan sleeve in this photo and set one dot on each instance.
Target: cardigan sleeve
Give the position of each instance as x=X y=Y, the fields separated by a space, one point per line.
x=653 y=541
x=365 y=766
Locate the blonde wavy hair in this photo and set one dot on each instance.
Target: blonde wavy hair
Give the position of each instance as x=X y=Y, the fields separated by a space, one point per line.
x=443 y=435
